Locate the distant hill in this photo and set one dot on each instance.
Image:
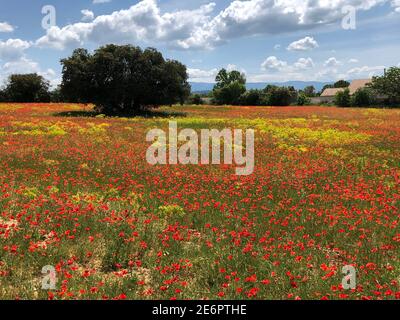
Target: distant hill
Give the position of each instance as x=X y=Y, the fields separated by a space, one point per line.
x=203 y=87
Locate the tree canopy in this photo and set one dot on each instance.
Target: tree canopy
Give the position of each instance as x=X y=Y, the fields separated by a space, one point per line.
x=388 y=85
x=26 y=88
x=229 y=87
x=341 y=84
x=123 y=79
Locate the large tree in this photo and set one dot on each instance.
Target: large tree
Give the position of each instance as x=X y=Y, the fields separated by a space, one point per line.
x=123 y=79
x=27 y=88
x=229 y=87
x=388 y=85
x=77 y=78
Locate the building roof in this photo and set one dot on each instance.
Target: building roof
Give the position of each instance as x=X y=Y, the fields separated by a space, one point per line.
x=358 y=84
x=354 y=86
x=331 y=92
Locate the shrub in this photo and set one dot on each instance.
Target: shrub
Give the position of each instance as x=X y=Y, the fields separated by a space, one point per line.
x=251 y=98
x=303 y=100
x=342 y=98
x=196 y=99
x=361 y=98
x=280 y=96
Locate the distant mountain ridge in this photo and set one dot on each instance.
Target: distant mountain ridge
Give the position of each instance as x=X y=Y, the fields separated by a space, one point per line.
x=203 y=87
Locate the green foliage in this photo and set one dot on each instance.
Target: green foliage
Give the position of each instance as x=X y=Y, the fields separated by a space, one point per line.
x=280 y=96
x=251 y=98
x=388 y=85
x=26 y=88
x=56 y=96
x=225 y=78
x=76 y=77
x=196 y=99
x=123 y=79
x=362 y=98
x=341 y=84
x=229 y=94
x=309 y=91
x=229 y=87
x=303 y=99
x=342 y=98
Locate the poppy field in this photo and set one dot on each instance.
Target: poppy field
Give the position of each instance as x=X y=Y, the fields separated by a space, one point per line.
x=77 y=194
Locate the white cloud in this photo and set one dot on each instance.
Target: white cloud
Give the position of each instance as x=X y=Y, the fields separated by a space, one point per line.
x=198 y=75
x=272 y=63
x=365 y=72
x=304 y=63
x=199 y=28
x=87 y=15
x=13 y=49
x=25 y=65
x=307 y=43
x=100 y=1
x=13 y=60
x=141 y=22
x=232 y=67
x=353 y=60
x=396 y=5
x=6 y=27
x=332 y=62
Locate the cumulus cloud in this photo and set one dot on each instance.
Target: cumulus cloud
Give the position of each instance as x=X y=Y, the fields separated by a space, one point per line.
x=87 y=15
x=332 y=62
x=6 y=27
x=365 y=72
x=26 y=65
x=304 y=63
x=201 y=28
x=198 y=75
x=141 y=22
x=307 y=43
x=272 y=63
x=100 y=1
x=13 y=49
x=396 y=5
x=13 y=60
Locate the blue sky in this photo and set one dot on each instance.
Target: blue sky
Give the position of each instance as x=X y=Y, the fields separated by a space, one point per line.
x=269 y=40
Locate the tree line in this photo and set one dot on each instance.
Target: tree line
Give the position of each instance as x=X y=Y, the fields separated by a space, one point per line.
x=127 y=80
x=230 y=89
x=116 y=79
x=384 y=90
